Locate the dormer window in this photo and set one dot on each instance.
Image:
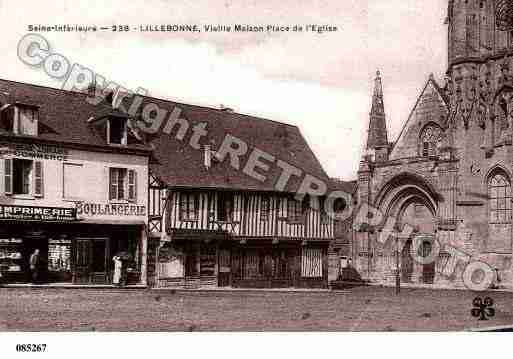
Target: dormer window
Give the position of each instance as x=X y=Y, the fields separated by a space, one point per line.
x=20 y=119
x=117 y=131
x=109 y=99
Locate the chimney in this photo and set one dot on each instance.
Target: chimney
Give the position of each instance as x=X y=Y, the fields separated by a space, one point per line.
x=91 y=89
x=225 y=108
x=207 y=156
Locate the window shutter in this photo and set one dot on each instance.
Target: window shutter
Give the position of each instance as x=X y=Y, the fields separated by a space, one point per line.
x=122 y=175
x=8 y=176
x=113 y=183
x=7 y=119
x=132 y=186
x=38 y=179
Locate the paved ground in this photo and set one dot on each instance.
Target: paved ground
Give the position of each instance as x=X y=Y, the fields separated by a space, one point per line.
x=360 y=309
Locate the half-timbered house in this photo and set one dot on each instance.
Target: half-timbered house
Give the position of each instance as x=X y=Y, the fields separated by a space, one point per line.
x=213 y=224
x=216 y=192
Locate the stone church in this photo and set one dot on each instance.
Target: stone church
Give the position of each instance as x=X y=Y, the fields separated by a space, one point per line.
x=444 y=185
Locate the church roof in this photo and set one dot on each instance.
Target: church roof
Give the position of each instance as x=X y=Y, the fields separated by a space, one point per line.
x=402 y=147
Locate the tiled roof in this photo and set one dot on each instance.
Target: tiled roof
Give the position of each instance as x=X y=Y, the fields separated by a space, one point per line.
x=338 y=184
x=64 y=117
x=180 y=165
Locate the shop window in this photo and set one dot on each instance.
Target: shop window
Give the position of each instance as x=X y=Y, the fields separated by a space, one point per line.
x=281 y=265
x=265 y=209
x=252 y=264
x=295 y=211
x=311 y=263
x=11 y=255
x=191 y=260
x=122 y=184
x=189 y=206
x=225 y=202
x=117 y=131
x=171 y=262
x=207 y=260
x=23 y=177
x=59 y=255
x=499 y=192
x=20 y=119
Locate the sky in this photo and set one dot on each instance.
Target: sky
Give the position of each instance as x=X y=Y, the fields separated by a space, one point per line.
x=320 y=82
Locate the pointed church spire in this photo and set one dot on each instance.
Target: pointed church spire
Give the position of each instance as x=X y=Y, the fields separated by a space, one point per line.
x=378 y=87
x=377 y=136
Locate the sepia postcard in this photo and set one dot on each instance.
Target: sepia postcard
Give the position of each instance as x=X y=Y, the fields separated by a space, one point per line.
x=254 y=166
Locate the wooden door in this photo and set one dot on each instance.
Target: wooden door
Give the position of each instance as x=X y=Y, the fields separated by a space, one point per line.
x=428 y=270
x=91 y=261
x=191 y=260
x=82 y=260
x=406 y=263
x=100 y=273
x=224 y=269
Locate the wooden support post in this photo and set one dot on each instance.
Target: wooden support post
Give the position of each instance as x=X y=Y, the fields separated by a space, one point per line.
x=144 y=256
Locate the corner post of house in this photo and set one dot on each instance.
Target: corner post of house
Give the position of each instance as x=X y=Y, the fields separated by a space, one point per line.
x=144 y=255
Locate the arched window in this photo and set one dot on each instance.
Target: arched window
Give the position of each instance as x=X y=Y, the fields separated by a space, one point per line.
x=430 y=140
x=499 y=193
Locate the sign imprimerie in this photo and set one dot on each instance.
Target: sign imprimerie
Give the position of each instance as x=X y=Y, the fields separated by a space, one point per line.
x=37 y=213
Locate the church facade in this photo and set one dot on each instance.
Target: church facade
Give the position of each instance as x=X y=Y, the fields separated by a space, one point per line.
x=436 y=205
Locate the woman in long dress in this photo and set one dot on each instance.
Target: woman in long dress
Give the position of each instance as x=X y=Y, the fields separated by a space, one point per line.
x=117 y=270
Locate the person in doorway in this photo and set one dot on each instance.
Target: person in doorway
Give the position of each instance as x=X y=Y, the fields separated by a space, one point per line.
x=116 y=278
x=34 y=266
x=119 y=277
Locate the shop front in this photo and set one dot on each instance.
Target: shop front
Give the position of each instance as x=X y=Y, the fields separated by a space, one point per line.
x=193 y=259
x=202 y=259
x=71 y=251
x=264 y=263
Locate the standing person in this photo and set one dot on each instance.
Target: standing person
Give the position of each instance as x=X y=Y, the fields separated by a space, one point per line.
x=124 y=272
x=116 y=279
x=34 y=266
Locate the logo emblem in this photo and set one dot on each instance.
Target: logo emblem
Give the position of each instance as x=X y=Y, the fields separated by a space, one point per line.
x=483 y=309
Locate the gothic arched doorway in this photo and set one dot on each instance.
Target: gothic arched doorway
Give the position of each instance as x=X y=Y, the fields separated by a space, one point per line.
x=413 y=201
x=417 y=215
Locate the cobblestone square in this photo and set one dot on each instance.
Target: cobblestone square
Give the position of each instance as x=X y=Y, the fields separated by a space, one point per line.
x=359 y=309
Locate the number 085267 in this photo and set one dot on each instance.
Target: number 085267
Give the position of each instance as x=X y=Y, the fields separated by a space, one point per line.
x=31 y=348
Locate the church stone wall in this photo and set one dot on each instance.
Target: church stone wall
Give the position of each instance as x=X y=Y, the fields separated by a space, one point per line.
x=450 y=176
